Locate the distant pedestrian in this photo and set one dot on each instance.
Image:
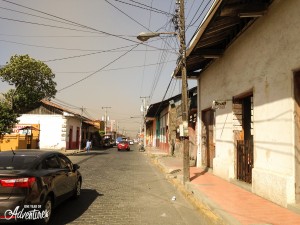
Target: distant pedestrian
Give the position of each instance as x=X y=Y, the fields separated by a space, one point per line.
x=88 y=145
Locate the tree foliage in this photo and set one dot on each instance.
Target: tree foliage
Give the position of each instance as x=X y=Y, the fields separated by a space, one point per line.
x=33 y=81
x=7 y=117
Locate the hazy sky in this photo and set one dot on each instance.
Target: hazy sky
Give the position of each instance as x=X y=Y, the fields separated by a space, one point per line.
x=91 y=47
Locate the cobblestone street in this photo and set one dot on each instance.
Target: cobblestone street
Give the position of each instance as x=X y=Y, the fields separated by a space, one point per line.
x=124 y=188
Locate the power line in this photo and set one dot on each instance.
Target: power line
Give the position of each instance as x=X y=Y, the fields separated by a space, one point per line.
x=98 y=70
x=126 y=14
x=46 y=25
x=94 y=53
x=145 y=56
x=130 y=17
x=29 y=14
x=163 y=97
x=208 y=2
x=146 y=7
x=57 y=36
x=49 y=47
x=74 y=23
x=120 y=68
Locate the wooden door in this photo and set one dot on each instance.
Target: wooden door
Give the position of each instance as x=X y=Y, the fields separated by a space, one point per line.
x=297 y=135
x=70 y=138
x=208 y=145
x=243 y=134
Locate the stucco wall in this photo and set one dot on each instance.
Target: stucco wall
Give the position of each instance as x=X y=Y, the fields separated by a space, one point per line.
x=50 y=129
x=261 y=59
x=75 y=124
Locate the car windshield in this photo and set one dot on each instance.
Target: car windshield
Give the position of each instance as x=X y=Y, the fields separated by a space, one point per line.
x=16 y=162
x=123 y=142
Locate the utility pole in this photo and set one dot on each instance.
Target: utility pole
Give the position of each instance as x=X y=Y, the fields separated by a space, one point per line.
x=184 y=138
x=144 y=121
x=184 y=101
x=105 y=117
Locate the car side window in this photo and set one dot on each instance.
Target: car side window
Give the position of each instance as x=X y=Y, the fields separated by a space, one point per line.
x=51 y=163
x=65 y=162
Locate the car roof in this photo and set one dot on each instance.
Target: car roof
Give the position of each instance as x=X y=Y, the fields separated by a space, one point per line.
x=27 y=152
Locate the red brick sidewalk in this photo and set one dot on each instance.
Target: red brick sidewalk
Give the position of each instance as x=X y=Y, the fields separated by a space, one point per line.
x=245 y=207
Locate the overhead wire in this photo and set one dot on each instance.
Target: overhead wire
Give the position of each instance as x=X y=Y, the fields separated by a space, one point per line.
x=208 y=2
x=120 y=10
x=145 y=56
x=172 y=93
x=189 y=25
x=72 y=22
x=158 y=73
x=151 y=8
x=108 y=64
x=94 y=53
x=63 y=103
x=120 y=68
x=40 y=17
x=54 y=36
x=159 y=69
x=163 y=97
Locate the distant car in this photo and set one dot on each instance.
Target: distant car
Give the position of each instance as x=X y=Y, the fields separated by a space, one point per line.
x=131 y=142
x=107 y=143
x=118 y=140
x=36 y=180
x=123 y=145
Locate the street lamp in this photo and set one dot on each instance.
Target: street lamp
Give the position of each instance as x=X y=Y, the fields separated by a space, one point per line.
x=144 y=37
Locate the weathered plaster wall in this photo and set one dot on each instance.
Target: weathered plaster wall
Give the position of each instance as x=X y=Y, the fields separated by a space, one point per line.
x=261 y=59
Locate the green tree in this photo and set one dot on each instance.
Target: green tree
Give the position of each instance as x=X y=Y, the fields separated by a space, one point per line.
x=7 y=117
x=33 y=81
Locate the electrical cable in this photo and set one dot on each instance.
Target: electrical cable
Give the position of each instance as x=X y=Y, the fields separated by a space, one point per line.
x=211 y=1
x=94 y=53
x=208 y=2
x=130 y=17
x=41 y=17
x=78 y=24
x=121 y=68
x=126 y=14
x=56 y=36
x=149 y=8
x=163 y=97
x=86 y=77
x=194 y=15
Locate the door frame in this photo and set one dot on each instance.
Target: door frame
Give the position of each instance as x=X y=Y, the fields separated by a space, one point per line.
x=296 y=93
x=208 y=145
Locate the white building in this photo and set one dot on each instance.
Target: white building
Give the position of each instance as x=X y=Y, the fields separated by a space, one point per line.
x=59 y=127
x=248 y=55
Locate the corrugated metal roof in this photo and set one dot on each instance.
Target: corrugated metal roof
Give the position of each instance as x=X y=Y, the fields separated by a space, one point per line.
x=225 y=21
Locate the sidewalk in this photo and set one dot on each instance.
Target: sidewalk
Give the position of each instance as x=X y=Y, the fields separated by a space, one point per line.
x=228 y=202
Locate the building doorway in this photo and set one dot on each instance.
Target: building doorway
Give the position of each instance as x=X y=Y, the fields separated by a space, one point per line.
x=70 y=138
x=208 y=143
x=77 y=137
x=243 y=135
x=297 y=134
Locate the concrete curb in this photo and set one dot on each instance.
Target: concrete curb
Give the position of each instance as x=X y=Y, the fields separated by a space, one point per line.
x=212 y=211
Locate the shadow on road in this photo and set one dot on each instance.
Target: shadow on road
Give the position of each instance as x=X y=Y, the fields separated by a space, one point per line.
x=73 y=209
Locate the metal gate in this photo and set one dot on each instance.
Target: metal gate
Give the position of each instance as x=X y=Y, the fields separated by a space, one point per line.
x=245 y=160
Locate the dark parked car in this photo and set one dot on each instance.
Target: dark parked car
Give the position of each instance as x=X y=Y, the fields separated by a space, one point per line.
x=35 y=181
x=123 y=145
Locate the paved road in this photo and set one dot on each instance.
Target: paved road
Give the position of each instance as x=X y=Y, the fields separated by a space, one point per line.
x=124 y=188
